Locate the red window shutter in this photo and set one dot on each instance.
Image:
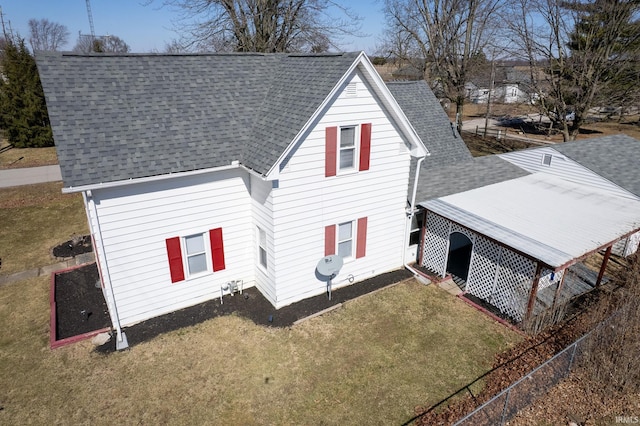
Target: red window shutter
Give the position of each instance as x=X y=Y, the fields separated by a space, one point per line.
x=217 y=249
x=174 y=252
x=365 y=146
x=329 y=240
x=330 y=151
x=361 y=242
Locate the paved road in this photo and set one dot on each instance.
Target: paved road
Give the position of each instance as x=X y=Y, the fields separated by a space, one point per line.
x=27 y=176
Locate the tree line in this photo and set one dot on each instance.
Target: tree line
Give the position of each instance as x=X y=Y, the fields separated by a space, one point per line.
x=23 y=112
x=580 y=53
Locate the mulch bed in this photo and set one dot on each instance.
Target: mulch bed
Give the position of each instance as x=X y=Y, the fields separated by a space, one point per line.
x=73 y=247
x=76 y=292
x=79 y=305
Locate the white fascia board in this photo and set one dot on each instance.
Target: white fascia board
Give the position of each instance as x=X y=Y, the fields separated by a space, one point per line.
x=418 y=148
x=133 y=181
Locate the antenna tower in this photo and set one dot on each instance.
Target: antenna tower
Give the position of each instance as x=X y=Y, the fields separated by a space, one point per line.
x=93 y=32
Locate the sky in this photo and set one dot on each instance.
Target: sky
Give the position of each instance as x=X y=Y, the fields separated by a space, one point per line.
x=149 y=28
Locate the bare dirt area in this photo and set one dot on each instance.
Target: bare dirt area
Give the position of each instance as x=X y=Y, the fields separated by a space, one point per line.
x=573 y=401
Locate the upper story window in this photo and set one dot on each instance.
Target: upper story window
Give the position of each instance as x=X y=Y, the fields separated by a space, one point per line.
x=546 y=159
x=347 y=148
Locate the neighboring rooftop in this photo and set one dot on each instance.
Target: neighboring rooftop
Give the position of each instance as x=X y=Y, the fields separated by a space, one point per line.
x=118 y=117
x=615 y=157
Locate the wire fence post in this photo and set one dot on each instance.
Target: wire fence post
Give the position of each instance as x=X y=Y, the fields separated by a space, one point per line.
x=504 y=409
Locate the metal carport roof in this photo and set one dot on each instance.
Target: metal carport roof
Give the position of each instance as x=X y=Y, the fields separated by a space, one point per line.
x=544 y=217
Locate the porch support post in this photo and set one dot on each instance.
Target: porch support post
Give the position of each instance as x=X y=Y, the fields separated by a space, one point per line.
x=559 y=289
x=534 y=292
x=605 y=261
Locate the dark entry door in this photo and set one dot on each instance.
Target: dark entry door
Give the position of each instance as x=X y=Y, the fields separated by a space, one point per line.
x=459 y=257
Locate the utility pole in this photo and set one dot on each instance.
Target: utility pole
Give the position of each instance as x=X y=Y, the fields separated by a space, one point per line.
x=491 y=86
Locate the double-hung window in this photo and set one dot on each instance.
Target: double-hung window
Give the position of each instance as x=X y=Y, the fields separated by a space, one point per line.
x=262 y=247
x=347 y=147
x=195 y=254
x=346 y=239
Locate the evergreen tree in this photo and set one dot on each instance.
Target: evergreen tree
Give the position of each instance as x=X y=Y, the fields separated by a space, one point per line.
x=23 y=112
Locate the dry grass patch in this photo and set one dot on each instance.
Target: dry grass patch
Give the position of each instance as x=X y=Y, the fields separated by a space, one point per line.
x=34 y=219
x=370 y=362
x=26 y=157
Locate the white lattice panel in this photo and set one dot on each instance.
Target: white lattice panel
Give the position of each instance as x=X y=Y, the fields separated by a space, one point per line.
x=513 y=284
x=434 y=255
x=457 y=228
x=548 y=278
x=632 y=244
x=484 y=264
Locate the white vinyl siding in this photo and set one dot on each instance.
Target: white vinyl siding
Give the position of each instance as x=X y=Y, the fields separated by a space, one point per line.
x=262 y=216
x=135 y=221
x=306 y=202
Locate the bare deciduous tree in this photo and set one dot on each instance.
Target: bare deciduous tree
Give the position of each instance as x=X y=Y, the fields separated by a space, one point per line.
x=47 y=35
x=446 y=36
x=102 y=44
x=263 y=25
x=578 y=52
x=610 y=356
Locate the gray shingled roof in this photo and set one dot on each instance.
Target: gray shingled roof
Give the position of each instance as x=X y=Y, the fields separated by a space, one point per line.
x=615 y=157
x=447 y=150
x=463 y=176
x=117 y=117
x=430 y=122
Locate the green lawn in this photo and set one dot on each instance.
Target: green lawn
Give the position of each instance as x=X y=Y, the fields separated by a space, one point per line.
x=370 y=362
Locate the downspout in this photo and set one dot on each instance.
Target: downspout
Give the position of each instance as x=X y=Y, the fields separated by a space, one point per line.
x=410 y=212
x=121 y=338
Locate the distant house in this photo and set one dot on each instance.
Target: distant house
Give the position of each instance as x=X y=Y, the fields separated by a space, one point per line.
x=511 y=84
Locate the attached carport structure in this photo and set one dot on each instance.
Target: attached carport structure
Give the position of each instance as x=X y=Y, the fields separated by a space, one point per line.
x=525 y=233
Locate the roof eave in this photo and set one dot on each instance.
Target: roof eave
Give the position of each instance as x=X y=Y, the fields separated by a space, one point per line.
x=156 y=178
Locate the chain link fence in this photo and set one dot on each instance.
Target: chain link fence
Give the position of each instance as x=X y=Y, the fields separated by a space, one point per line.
x=502 y=407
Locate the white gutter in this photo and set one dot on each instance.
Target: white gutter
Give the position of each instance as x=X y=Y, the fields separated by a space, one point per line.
x=410 y=214
x=132 y=181
x=121 y=338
